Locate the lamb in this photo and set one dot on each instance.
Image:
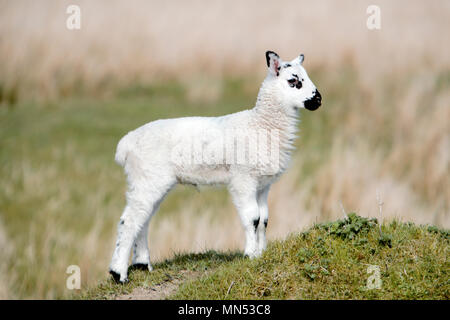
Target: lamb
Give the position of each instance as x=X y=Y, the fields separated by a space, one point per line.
x=246 y=151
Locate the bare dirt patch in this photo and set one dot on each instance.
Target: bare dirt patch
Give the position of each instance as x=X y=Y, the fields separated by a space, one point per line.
x=162 y=290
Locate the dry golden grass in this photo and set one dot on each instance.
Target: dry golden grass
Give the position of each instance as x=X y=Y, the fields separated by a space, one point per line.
x=383 y=128
x=124 y=42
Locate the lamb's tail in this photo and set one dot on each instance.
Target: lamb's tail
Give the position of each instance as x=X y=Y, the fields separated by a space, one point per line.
x=123 y=147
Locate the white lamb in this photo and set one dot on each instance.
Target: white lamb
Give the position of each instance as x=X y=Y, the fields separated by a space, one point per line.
x=246 y=151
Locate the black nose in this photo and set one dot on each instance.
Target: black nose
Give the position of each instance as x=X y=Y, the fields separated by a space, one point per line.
x=314 y=102
x=318 y=97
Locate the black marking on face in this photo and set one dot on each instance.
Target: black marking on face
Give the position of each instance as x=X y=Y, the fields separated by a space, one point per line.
x=292 y=82
x=295 y=82
x=122 y=221
x=255 y=224
x=266 y=221
x=287 y=65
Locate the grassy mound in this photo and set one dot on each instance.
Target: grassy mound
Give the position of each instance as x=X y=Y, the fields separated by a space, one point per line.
x=337 y=260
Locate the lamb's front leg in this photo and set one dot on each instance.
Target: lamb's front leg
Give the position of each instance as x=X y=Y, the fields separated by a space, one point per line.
x=263 y=219
x=250 y=219
x=245 y=199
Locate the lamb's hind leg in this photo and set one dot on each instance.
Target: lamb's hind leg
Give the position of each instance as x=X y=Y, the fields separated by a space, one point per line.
x=141 y=254
x=131 y=221
x=141 y=203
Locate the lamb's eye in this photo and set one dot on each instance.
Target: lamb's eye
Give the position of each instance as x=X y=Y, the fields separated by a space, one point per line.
x=292 y=82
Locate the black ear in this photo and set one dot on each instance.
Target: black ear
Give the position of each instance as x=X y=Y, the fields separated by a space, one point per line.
x=273 y=62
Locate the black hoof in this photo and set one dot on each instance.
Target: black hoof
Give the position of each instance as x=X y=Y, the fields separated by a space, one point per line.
x=116 y=277
x=139 y=266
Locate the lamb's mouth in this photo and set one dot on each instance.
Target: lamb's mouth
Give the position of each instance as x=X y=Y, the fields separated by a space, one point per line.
x=314 y=103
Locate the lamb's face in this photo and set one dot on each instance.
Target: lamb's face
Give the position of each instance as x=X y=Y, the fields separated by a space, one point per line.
x=293 y=87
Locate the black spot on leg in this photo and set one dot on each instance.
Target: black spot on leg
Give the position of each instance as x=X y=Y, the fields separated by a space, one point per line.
x=255 y=224
x=265 y=223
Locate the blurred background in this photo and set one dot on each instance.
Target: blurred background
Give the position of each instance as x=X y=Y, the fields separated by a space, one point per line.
x=68 y=96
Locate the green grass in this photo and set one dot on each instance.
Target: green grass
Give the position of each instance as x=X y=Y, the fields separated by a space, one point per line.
x=328 y=261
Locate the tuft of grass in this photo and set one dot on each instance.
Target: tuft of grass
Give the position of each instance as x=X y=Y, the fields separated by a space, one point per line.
x=353 y=225
x=349 y=227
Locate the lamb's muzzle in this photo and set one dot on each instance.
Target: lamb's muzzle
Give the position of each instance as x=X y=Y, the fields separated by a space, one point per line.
x=315 y=102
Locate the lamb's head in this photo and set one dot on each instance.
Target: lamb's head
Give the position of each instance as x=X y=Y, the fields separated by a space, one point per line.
x=291 y=84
